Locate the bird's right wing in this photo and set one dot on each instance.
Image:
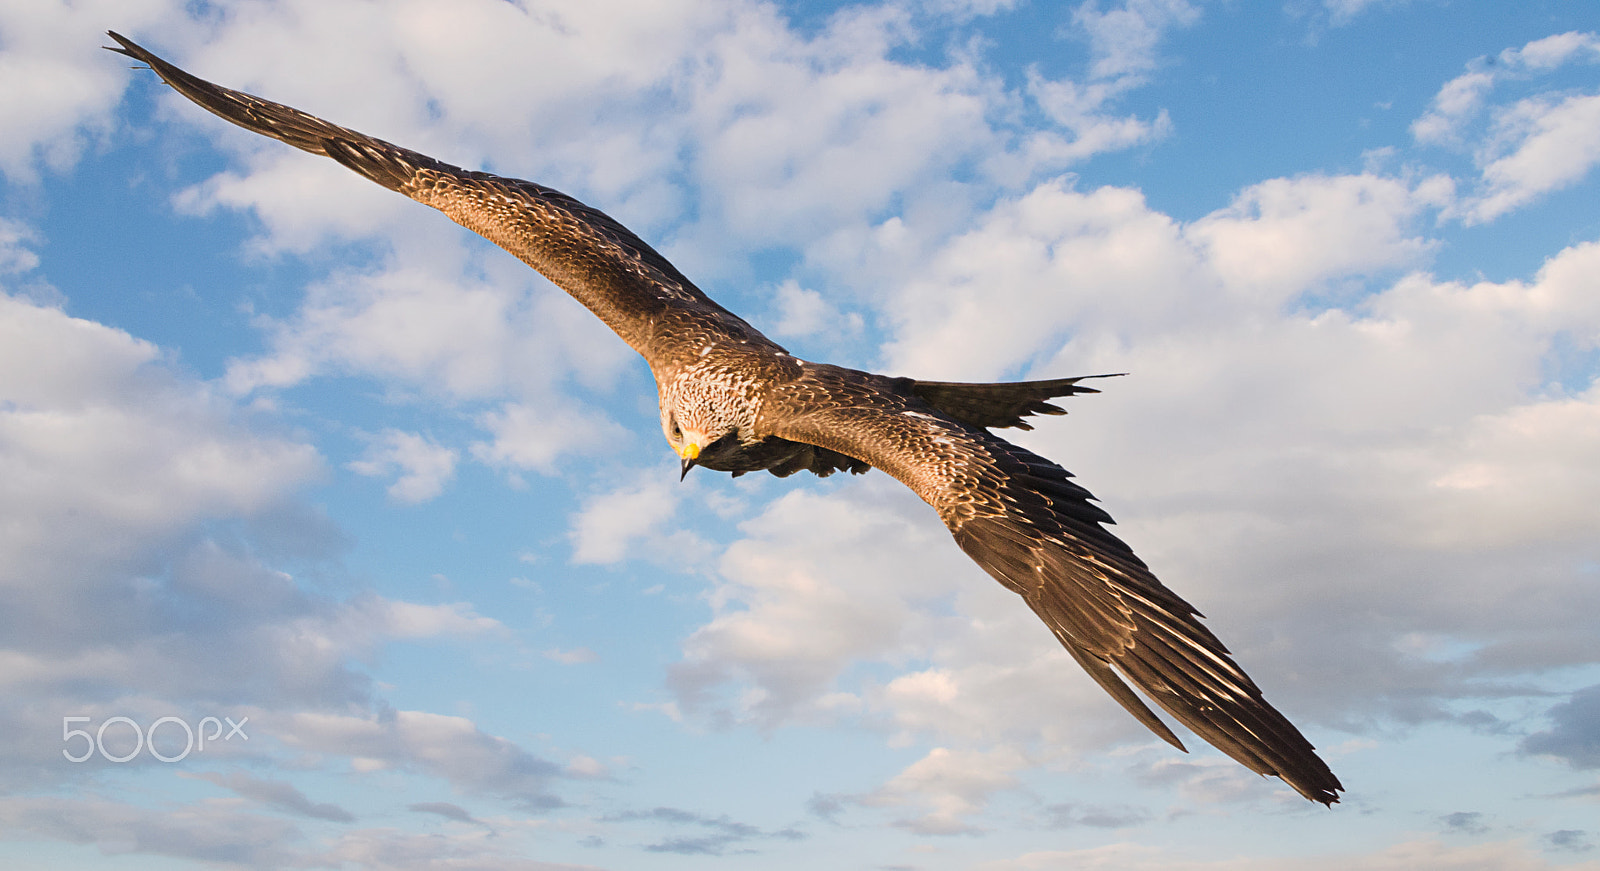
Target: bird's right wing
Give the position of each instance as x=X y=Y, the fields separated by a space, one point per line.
x=1022 y=519
x=601 y=263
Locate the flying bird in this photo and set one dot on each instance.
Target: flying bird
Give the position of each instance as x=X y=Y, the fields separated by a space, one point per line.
x=733 y=400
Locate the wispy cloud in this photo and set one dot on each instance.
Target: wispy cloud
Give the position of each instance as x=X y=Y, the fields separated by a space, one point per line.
x=723 y=833
x=278 y=794
x=425 y=467
x=1528 y=148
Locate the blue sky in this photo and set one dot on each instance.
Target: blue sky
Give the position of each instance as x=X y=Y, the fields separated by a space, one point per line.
x=278 y=444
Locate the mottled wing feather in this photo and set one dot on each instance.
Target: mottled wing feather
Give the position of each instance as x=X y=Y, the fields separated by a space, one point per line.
x=1022 y=519
x=624 y=281
x=999 y=405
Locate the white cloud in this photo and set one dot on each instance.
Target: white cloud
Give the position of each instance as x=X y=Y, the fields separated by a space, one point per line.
x=460 y=324
x=395 y=619
x=794 y=137
x=1462 y=98
x=539 y=435
x=994 y=296
x=1282 y=237
x=1540 y=145
x=603 y=530
x=1037 y=268
x=1124 y=39
x=1000 y=678
x=14 y=255
x=1455 y=104
x=1345 y=11
x=1554 y=51
x=800 y=139
x=104 y=448
x=629 y=522
x=950 y=786
x=1522 y=475
x=421 y=322
x=1080 y=109
x=425 y=467
x=61 y=89
x=817 y=585
x=804 y=312
x=1124 y=43
x=1534 y=146
x=303 y=203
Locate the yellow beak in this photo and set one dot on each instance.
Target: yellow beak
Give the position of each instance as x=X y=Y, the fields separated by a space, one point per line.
x=688 y=453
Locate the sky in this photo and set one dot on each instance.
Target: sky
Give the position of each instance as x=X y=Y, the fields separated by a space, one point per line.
x=384 y=522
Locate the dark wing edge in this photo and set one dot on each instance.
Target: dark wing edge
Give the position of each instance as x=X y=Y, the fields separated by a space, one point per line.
x=619 y=277
x=779 y=456
x=810 y=458
x=1021 y=518
x=1002 y=404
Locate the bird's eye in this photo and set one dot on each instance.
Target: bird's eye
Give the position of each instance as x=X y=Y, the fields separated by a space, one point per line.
x=677 y=434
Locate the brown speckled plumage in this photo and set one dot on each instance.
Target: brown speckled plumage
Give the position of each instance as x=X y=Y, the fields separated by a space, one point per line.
x=733 y=400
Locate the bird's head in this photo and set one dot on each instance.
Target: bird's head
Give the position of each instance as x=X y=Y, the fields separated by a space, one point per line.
x=688 y=437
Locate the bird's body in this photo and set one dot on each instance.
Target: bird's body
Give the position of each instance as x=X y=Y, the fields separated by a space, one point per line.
x=733 y=400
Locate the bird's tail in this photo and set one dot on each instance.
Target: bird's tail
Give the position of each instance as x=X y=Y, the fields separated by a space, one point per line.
x=994 y=406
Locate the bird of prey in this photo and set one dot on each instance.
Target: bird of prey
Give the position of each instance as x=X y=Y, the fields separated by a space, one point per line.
x=733 y=400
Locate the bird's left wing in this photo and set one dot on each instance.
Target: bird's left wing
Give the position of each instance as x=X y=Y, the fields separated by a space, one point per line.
x=635 y=290
x=1022 y=519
